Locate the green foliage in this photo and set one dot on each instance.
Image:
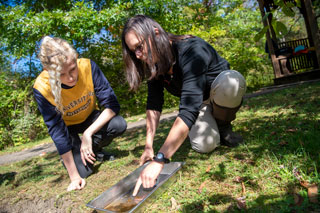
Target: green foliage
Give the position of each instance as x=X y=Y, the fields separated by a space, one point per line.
x=27 y=128
x=19 y=121
x=233 y=40
x=279 y=28
x=228 y=25
x=287 y=20
x=25 y=28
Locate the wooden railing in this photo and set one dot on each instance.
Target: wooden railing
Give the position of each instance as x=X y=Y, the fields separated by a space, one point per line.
x=290 y=63
x=294 y=43
x=295 y=63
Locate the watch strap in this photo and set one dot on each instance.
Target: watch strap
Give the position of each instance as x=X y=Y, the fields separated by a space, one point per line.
x=163 y=160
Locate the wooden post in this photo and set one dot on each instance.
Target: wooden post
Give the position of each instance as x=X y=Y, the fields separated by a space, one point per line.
x=313 y=28
x=275 y=63
x=273 y=34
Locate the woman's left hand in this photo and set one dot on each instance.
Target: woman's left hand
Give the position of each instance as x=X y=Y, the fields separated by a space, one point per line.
x=86 y=149
x=148 y=176
x=76 y=184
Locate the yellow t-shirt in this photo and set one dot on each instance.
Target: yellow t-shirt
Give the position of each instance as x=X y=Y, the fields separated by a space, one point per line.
x=79 y=101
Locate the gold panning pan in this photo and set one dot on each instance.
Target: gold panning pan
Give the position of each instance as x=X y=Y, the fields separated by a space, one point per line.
x=118 y=198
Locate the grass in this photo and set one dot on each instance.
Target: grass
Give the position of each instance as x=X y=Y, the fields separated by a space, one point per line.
x=281 y=150
x=47 y=140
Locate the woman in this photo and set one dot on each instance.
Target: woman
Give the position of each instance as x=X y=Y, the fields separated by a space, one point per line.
x=66 y=93
x=188 y=67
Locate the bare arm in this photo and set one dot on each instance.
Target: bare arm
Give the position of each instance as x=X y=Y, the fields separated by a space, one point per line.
x=176 y=137
x=76 y=181
x=178 y=133
x=86 y=144
x=153 y=117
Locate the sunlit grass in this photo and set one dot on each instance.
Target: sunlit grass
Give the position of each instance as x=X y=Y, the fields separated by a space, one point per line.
x=281 y=148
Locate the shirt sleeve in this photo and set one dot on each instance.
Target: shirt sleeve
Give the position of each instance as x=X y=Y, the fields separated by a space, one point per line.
x=103 y=89
x=155 y=98
x=56 y=126
x=194 y=64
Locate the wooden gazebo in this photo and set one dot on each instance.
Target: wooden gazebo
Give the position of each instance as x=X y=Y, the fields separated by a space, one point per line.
x=298 y=59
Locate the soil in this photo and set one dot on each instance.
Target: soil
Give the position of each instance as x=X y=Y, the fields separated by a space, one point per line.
x=38 y=205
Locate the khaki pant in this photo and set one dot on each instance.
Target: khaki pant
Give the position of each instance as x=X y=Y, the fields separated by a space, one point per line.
x=227 y=90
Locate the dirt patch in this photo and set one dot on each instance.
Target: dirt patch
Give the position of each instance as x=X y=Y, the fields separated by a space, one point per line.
x=55 y=205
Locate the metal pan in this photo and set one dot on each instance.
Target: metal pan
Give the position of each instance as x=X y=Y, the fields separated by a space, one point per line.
x=118 y=198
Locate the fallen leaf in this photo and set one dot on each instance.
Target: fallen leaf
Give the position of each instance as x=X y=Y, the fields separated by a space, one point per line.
x=201 y=187
x=241 y=203
x=249 y=161
x=277 y=176
x=238 y=179
x=283 y=143
x=313 y=193
x=22 y=191
x=243 y=189
x=298 y=199
x=208 y=169
x=229 y=186
x=174 y=204
x=291 y=130
x=304 y=184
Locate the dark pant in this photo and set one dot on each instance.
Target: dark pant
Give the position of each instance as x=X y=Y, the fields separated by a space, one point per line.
x=115 y=127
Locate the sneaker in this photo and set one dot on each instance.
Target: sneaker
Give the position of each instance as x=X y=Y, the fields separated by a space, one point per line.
x=104 y=156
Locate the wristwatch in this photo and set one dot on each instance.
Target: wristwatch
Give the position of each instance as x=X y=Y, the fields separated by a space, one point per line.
x=160 y=158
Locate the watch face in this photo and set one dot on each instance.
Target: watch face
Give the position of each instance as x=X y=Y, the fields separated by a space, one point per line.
x=160 y=156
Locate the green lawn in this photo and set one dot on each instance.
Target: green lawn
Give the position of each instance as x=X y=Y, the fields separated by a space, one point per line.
x=268 y=173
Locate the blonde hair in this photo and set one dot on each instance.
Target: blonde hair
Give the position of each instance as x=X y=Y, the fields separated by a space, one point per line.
x=54 y=53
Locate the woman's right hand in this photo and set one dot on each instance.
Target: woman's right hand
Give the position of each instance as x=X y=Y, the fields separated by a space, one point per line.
x=76 y=184
x=86 y=149
x=146 y=155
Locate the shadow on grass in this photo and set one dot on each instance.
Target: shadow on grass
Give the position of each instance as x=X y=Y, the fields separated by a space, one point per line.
x=263 y=203
x=7 y=178
x=291 y=136
x=33 y=173
x=217 y=199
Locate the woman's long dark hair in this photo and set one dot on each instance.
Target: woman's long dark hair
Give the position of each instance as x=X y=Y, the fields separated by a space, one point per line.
x=144 y=28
